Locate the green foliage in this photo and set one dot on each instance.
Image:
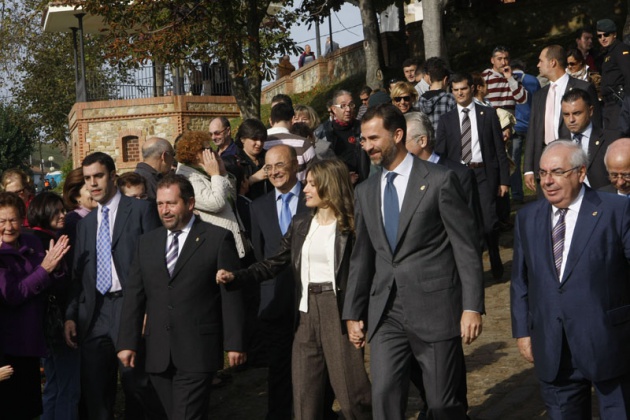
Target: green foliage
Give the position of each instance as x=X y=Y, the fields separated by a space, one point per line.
x=16 y=139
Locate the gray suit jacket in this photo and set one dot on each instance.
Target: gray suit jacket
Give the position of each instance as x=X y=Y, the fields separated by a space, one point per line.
x=437 y=261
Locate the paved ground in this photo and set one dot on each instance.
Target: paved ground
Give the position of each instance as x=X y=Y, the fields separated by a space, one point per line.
x=501 y=384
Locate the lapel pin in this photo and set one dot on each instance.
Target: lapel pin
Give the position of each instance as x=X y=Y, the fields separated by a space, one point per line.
x=481 y=113
x=422 y=188
x=594 y=213
x=197 y=240
x=597 y=143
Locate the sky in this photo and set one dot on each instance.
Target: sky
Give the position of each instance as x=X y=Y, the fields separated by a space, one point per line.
x=346 y=26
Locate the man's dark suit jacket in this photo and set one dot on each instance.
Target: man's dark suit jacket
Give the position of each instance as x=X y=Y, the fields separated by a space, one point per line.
x=190 y=319
x=610 y=188
x=597 y=145
x=591 y=305
x=133 y=218
x=535 y=142
x=437 y=259
x=277 y=296
x=289 y=255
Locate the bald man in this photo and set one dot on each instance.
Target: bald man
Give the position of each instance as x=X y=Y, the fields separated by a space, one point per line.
x=617 y=160
x=157 y=159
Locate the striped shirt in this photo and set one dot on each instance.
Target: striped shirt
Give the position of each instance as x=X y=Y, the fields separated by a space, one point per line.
x=503 y=93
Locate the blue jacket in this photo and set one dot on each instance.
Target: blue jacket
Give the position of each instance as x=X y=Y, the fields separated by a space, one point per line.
x=531 y=85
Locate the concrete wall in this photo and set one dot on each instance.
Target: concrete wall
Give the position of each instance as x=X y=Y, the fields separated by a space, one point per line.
x=343 y=63
x=120 y=128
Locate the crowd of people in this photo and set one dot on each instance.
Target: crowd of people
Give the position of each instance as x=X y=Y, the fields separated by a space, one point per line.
x=294 y=246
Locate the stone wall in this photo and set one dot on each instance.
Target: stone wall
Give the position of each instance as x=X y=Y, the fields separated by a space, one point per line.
x=343 y=63
x=120 y=128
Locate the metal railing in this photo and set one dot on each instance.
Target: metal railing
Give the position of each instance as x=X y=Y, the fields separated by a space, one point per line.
x=156 y=80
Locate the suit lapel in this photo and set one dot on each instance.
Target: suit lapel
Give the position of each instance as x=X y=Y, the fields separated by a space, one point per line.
x=416 y=188
x=589 y=215
x=372 y=212
x=122 y=213
x=196 y=238
x=542 y=228
x=594 y=144
x=272 y=210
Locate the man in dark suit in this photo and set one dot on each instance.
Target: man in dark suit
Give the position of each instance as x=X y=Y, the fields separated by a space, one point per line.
x=270 y=218
x=189 y=318
x=545 y=122
x=471 y=134
x=577 y=111
x=105 y=243
x=617 y=161
x=416 y=295
x=570 y=293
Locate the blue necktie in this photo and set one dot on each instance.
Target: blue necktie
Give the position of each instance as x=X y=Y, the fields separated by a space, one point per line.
x=285 y=212
x=104 y=254
x=391 y=210
x=577 y=137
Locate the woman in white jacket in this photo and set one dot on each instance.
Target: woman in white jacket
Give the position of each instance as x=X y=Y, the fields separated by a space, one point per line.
x=215 y=194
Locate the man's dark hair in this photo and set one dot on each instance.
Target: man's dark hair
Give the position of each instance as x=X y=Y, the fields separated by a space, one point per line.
x=576 y=94
x=501 y=49
x=438 y=71
x=281 y=112
x=251 y=128
x=186 y=191
x=433 y=62
x=556 y=52
x=461 y=77
x=366 y=90
x=409 y=62
x=224 y=122
x=282 y=98
x=99 y=157
x=392 y=118
x=584 y=30
x=518 y=64
x=131 y=179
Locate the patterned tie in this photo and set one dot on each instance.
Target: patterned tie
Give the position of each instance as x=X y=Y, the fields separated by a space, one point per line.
x=285 y=212
x=577 y=137
x=466 y=137
x=557 y=236
x=104 y=254
x=550 y=115
x=391 y=210
x=172 y=252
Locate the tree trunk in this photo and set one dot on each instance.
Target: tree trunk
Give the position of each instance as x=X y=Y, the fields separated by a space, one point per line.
x=434 y=43
x=371 y=44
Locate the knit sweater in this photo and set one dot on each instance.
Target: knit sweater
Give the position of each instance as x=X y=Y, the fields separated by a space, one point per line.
x=503 y=93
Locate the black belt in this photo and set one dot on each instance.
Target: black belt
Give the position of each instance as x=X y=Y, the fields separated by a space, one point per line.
x=114 y=295
x=475 y=165
x=317 y=288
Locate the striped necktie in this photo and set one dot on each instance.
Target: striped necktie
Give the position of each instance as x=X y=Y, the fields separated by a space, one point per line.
x=173 y=252
x=466 y=137
x=557 y=236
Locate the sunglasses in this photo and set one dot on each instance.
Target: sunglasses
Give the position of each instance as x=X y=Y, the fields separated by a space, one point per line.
x=604 y=35
x=402 y=98
x=571 y=63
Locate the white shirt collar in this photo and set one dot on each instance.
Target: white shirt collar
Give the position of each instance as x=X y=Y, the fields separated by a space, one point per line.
x=470 y=106
x=112 y=203
x=575 y=204
x=403 y=168
x=295 y=190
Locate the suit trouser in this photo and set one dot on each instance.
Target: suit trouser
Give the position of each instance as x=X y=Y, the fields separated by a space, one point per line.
x=184 y=395
x=322 y=351
x=488 y=200
x=278 y=338
x=99 y=363
x=442 y=363
x=568 y=397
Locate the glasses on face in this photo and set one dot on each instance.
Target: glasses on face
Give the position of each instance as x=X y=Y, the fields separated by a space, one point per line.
x=604 y=35
x=405 y=98
x=365 y=100
x=276 y=167
x=572 y=63
x=351 y=105
x=218 y=133
x=614 y=176
x=556 y=173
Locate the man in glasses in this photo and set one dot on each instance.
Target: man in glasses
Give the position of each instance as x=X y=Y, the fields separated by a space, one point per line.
x=221 y=133
x=504 y=91
x=617 y=160
x=340 y=137
x=569 y=290
x=615 y=70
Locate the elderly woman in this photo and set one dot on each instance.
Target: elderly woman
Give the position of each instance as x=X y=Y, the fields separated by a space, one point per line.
x=26 y=272
x=215 y=195
x=404 y=96
x=250 y=138
x=318 y=246
x=306 y=114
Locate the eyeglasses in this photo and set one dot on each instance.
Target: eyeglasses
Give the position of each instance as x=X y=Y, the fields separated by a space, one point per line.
x=278 y=167
x=556 y=173
x=613 y=176
x=405 y=98
x=351 y=105
x=218 y=133
x=572 y=63
x=604 y=35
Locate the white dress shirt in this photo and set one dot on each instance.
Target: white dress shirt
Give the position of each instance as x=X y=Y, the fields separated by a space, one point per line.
x=181 y=239
x=561 y=87
x=112 y=205
x=476 y=146
x=318 y=259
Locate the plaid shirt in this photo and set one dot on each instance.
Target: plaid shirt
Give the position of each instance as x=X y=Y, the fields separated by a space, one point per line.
x=436 y=103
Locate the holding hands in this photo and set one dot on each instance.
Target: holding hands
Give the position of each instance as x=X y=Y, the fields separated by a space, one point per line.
x=224 y=276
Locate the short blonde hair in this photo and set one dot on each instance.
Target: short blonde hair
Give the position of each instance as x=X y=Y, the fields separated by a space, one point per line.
x=404 y=89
